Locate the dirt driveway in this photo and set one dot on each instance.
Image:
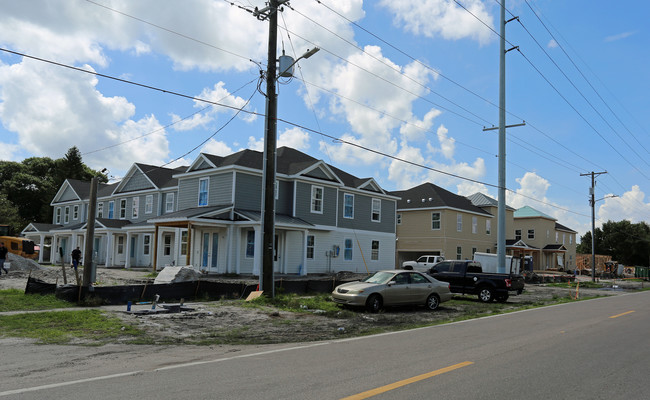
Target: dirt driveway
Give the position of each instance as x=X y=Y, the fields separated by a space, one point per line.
x=230 y=322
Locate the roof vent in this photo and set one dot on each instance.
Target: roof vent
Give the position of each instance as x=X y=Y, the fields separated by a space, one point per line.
x=423 y=200
x=408 y=200
x=430 y=198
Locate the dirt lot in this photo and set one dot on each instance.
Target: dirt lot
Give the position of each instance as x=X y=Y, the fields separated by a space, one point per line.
x=229 y=322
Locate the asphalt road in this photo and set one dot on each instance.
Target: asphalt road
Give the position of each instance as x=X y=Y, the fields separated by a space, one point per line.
x=594 y=349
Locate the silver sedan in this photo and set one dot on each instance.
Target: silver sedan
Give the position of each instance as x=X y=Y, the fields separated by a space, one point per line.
x=393 y=288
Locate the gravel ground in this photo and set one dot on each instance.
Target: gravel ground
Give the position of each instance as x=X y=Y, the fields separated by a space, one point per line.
x=228 y=322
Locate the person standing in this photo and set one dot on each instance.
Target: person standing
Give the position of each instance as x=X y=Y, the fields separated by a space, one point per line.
x=3 y=258
x=76 y=257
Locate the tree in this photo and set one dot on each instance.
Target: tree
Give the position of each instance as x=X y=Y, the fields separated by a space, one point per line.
x=29 y=186
x=624 y=241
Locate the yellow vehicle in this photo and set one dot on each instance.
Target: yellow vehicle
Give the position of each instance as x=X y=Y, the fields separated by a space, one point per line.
x=20 y=246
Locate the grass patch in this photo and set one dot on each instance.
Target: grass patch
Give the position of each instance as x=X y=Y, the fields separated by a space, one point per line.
x=295 y=303
x=17 y=300
x=61 y=327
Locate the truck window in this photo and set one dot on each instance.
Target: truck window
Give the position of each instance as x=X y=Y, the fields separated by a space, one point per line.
x=457 y=267
x=442 y=267
x=473 y=268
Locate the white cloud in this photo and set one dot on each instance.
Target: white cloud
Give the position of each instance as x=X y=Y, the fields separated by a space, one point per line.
x=447 y=144
x=217 y=148
x=620 y=36
x=294 y=137
x=190 y=122
x=630 y=206
x=9 y=152
x=552 y=44
x=443 y=18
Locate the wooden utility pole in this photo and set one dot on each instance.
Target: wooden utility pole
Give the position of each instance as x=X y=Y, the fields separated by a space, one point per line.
x=592 y=202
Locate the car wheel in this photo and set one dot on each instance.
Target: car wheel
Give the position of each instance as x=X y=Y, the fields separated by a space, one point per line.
x=502 y=298
x=485 y=294
x=374 y=303
x=433 y=301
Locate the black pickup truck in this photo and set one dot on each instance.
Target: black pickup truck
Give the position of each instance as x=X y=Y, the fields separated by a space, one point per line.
x=467 y=277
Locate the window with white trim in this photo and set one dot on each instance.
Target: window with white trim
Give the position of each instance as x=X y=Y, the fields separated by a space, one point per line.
x=376 y=210
x=250 y=244
x=474 y=224
x=459 y=253
x=120 y=245
x=488 y=227
x=122 y=208
x=184 y=235
x=169 y=202
x=75 y=212
x=347 y=253
x=557 y=235
x=531 y=234
x=135 y=207
x=459 y=222
x=204 y=185
x=517 y=234
x=100 y=210
x=111 y=209
x=310 y=247
x=66 y=215
x=148 y=204
x=58 y=216
x=435 y=221
x=167 y=245
x=571 y=239
x=374 y=250
x=348 y=205
x=317 y=199
x=146 y=249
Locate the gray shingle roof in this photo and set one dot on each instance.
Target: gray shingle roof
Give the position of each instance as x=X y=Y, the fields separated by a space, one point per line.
x=483 y=200
x=428 y=195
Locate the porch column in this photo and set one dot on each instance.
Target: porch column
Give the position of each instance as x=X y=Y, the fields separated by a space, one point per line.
x=127 y=263
x=229 y=248
x=41 y=243
x=303 y=270
x=54 y=250
x=237 y=250
x=257 y=259
x=176 y=250
x=188 y=250
x=109 y=249
x=155 y=248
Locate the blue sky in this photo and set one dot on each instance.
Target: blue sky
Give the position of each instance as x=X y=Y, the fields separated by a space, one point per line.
x=416 y=80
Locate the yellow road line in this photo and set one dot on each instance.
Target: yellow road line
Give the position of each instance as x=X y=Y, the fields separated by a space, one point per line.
x=620 y=315
x=386 y=388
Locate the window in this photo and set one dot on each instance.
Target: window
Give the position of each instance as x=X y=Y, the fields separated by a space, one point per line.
x=317 y=199
x=66 y=215
x=184 y=243
x=459 y=253
x=570 y=239
x=310 y=247
x=487 y=251
x=111 y=209
x=276 y=188
x=517 y=234
x=120 y=245
x=147 y=245
x=548 y=234
x=488 y=227
x=148 y=204
x=250 y=244
x=473 y=251
x=135 y=207
x=376 y=210
x=374 y=250
x=169 y=202
x=203 y=191
x=399 y=219
x=557 y=234
x=347 y=254
x=100 y=210
x=563 y=235
x=122 y=208
x=75 y=212
x=348 y=205
x=459 y=222
x=474 y=224
x=435 y=221
x=531 y=234
x=167 y=245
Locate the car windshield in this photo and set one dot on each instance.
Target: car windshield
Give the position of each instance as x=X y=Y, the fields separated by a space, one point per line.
x=379 y=277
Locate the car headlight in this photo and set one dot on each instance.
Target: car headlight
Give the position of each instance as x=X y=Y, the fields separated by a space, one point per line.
x=355 y=291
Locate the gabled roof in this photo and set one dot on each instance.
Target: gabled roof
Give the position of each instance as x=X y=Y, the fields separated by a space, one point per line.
x=482 y=200
x=554 y=247
x=530 y=212
x=290 y=162
x=189 y=213
x=519 y=244
x=39 y=227
x=158 y=177
x=280 y=219
x=561 y=227
x=428 y=195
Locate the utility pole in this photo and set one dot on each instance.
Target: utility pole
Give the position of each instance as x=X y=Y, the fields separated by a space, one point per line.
x=592 y=203
x=501 y=209
x=270 y=150
x=89 y=268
